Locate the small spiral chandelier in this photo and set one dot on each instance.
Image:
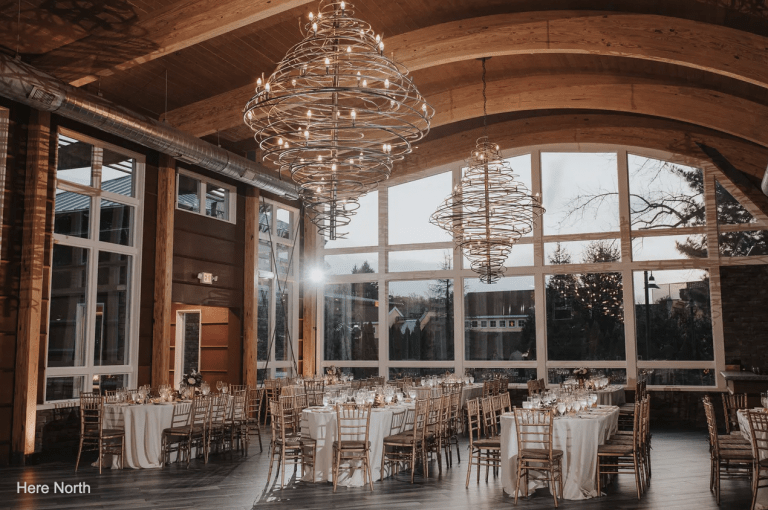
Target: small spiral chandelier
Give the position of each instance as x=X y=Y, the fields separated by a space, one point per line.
x=336 y=114
x=489 y=210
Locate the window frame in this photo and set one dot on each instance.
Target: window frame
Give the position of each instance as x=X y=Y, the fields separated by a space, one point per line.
x=626 y=266
x=202 y=192
x=89 y=370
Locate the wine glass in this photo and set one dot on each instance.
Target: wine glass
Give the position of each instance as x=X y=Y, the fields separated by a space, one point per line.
x=412 y=394
x=561 y=407
x=205 y=388
x=219 y=385
x=471 y=380
x=224 y=388
x=399 y=396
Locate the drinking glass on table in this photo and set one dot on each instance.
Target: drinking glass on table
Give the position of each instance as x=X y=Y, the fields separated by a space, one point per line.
x=399 y=396
x=561 y=408
x=219 y=384
x=224 y=388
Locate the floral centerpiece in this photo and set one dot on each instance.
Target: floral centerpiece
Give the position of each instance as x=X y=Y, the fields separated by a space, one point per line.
x=581 y=373
x=333 y=374
x=193 y=379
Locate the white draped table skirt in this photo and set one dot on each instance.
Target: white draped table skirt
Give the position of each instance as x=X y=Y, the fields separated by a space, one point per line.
x=578 y=437
x=144 y=425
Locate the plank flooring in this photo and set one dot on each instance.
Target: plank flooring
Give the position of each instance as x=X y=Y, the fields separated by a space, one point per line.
x=680 y=481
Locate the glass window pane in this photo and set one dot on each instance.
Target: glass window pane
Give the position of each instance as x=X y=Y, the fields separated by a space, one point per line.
x=116 y=223
x=585 y=316
x=68 y=308
x=117 y=172
x=352 y=263
x=363 y=230
x=75 y=161
x=63 y=388
x=265 y=217
x=73 y=212
x=420 y=320
x=283 y=307
x=189 y=194
x=113 y=314
x=520 y=256
x=361 y=372
x=284 y=224
x=262 y=325
x=109 y=382
x=410 y=206
x=420 y=260
x=515 y=375
x=351 y=329
x=216 y=201
x=511 y=300
x=285 y=261
x=580 y=192
x=664 y=195
x=729 y=210
x=560 y=375
x=582 y=252
x=744 y=244
x=679 y=314
x=265 y=256
x=669 y=247
x=399 y=373
x=680 y=377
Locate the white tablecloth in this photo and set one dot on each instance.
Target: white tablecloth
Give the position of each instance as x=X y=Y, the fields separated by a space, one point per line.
x=470 y=392
x=611 y=396
x=762 y=493
x=144 y=425
x=578 y=437
x=320 y=424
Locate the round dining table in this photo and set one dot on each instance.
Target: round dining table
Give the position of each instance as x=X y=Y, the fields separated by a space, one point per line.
x=761 y=502
x=612 y=395
x=578 y=436
x=320 y=423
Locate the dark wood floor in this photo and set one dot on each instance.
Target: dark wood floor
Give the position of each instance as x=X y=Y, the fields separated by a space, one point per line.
x=680 y=481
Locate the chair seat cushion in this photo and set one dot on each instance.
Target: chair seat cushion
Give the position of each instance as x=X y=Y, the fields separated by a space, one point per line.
x=616 y=448
x=351 y=445
x=290 y=441
x=733 y=454
x=488 y=442
x=109 y=433
x=538 y=453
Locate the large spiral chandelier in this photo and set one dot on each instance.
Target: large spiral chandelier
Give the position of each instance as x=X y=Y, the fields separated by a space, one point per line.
x=336 y=114
x=489 y=210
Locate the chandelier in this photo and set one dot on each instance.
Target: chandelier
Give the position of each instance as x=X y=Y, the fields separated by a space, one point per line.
x=336 y=114
x=489 y=210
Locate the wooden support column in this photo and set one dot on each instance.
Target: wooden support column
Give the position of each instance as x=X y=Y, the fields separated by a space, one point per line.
x=3 y=151
x=309 y=349
x=31 y=285
x=161 y=329
x=251 y=287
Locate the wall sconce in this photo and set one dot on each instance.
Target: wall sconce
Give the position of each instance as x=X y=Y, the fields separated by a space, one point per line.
x=207 y=278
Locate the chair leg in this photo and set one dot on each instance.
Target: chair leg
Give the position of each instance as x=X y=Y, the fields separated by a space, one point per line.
x=368 y=468
x=100 y=456
x=79 y=452
x=469 y=467
x=637 y=476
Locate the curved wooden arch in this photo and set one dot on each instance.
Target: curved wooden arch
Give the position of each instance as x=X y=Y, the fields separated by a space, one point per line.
x=589 y=128
x=702 y=107
x=713 y=48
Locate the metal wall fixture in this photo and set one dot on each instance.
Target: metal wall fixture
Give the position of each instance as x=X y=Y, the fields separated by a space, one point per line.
x=336 y=114
x=489 y=210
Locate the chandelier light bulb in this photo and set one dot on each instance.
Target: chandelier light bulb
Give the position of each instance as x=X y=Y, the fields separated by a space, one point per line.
x=333 y=167
x=266 y=86
x=386 y=83
x=314 y=27
x=311 y=16
x=342 y=6
x=279 y=141
x=349 y=49
x=258 y=82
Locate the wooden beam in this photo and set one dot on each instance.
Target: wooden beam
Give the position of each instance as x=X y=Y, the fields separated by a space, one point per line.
x=309 y=351
x=4 y=126
x=737 y=178
x=586 y=128
x=31 y=285
x=251 y=287
x=179 y=25
x=687 y=43
x=162 y=317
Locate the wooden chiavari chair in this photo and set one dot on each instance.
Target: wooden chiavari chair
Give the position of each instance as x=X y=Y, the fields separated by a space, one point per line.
x=237 y=389
x=453 y=427
x=314 y=390
x=533 y=388
x=758 y=429
x=271 y=393
x=535 y=452
x=199 y=431
x=353 y=422
x=253 y=413
x=216 y=421
x=737 y=462
x=407 y=446
x=731 y=405
x=487 y=388
x=398 y=420
x=285 y=445
x=619 y=456
x=483 y=451
x=175 y=437
x=489 y=417
x=93 y=435
x=236 y=422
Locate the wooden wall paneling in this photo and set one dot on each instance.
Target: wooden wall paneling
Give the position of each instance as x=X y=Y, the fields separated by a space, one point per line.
x=234 y=346
x=250 y=287
x=4 y=125
x=166 y=199
x=30 y=297
x=309 y=324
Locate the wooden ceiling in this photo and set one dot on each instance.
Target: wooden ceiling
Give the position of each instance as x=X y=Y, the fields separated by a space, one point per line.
x=686 y=68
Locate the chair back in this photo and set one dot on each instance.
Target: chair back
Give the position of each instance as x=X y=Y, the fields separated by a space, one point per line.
x=272 y=388
x=709 y=410
x=238 y=389
x=420 y=417
x=452 y=387
x=238 y=407
x=290 y=416
x=473 y=420
x=278 y=421
x=434 y=414
x=314 y=389
x=182 y=412
x=91 y=414
x=201 y=409
x=731 y=405
x=489 y=417
x=398 y=419
x=534 y=429
x=758 y=429
x=533 y=388
x=219 y=404
x=506 y=403
x=255 y=396
x=353 y=422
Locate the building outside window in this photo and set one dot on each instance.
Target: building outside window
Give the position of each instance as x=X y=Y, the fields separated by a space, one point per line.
x=207 y=197
x=93 y=316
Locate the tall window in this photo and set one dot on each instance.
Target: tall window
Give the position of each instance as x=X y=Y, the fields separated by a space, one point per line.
x=93 y=317
x=621 y=275
x=205 y=196
x=278 y=298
